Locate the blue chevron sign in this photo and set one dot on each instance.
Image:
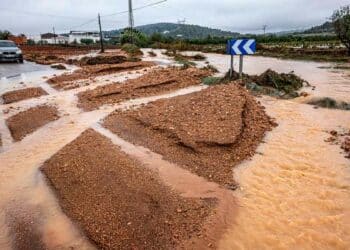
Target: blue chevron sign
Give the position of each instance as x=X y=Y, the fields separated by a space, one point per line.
x=241 y=47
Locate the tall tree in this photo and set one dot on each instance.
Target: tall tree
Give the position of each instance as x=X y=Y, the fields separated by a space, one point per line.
x=4 y=35
x=341 y=22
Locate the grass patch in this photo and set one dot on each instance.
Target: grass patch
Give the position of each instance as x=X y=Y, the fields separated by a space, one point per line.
x=212 y=80
x=329 y=103
x=132 y=50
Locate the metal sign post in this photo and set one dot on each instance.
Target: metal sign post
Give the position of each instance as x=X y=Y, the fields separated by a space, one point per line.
x=231 y=68
x=240 y=47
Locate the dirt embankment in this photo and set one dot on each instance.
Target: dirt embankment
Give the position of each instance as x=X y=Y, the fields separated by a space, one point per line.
x=155 y=82
x=44 y=54
x=68 y=80
x=26 y=122
x=117 y=202
x=208 y=132
x=22 y=94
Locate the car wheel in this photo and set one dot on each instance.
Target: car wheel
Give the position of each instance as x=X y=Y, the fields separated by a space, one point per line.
x=20 y=60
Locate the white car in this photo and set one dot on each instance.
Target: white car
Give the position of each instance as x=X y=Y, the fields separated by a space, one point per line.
x=9 y=52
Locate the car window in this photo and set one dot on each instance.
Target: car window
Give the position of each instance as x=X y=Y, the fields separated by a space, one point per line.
x=7 y=44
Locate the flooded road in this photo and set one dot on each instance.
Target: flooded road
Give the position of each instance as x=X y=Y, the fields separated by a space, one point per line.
x=14 y=69
x=294 y=194
x=326 y=77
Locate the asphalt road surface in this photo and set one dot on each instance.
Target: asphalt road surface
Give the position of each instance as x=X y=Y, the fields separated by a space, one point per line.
x=14 y=69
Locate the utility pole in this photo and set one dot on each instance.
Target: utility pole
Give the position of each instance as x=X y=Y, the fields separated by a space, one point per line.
x=101 y=36
x=131 y=21
x=54 y=34
x=264 y=28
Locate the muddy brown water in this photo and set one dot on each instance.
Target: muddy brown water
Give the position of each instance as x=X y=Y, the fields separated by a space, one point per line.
x=22 y=184
x=294 y=194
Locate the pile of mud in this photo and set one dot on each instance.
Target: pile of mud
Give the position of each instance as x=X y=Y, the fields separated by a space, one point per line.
x=22 y=94
x=340 y=138
x=43 y=54
x=117 y=202
x=102 y=59
x=155 y=82
x=208 y=132
x=68 y=80
x=26 y=122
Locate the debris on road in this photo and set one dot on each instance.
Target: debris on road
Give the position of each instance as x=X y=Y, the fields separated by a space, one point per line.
x=26 y=122
x=208 y=132
x=118 y=202
x=340 y=138
x=155 y=82
x=45 y=54
x=58 y=66
x=68 y=80
x=22 y=94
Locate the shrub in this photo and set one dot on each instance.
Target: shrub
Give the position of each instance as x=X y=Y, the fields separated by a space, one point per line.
x=87 y=41
x=131 y=49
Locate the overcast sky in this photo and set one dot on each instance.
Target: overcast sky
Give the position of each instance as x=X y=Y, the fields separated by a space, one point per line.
x=31 y=16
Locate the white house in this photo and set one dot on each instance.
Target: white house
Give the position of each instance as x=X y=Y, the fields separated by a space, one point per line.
x=76 y=36
x=50 y=38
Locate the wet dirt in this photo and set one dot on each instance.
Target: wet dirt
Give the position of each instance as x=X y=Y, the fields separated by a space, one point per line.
x=46 y=55
x=22 y=94
x=22 y=183
x=95 y=183
x=192 y=130
x=26 y=122
x=154 y=82
x=67 y=80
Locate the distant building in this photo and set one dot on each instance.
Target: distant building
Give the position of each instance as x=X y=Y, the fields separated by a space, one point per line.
x=77 y=36
x=19 y=40
x=50 y=38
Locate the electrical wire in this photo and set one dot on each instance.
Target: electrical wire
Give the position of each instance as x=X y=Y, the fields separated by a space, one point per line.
x=138 y=8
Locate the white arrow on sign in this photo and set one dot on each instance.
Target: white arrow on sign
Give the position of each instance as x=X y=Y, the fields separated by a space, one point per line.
x=235 y=47
x=247 y=47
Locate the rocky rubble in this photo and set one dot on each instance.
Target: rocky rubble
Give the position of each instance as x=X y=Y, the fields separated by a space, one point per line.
x=26 y=122
x=22 y=94
x=208 y=132
x=68 y=80
x=117 y=202
x=155 y=82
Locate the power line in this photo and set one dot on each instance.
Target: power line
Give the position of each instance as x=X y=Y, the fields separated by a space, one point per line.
x=138 y=8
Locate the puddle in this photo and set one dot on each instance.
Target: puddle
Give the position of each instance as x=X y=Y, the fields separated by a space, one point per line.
x=328 y=81
x=295 y=194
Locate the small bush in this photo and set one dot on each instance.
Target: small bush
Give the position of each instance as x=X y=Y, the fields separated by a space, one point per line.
x=131 y=49
x=87 y=41
x=330 y=103
x=211 y=80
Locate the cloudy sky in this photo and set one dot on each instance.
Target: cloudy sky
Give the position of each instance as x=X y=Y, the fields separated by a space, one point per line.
x=39 y=16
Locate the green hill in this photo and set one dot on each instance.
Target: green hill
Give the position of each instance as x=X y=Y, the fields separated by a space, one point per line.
x=327 y=27
x=179 y=30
